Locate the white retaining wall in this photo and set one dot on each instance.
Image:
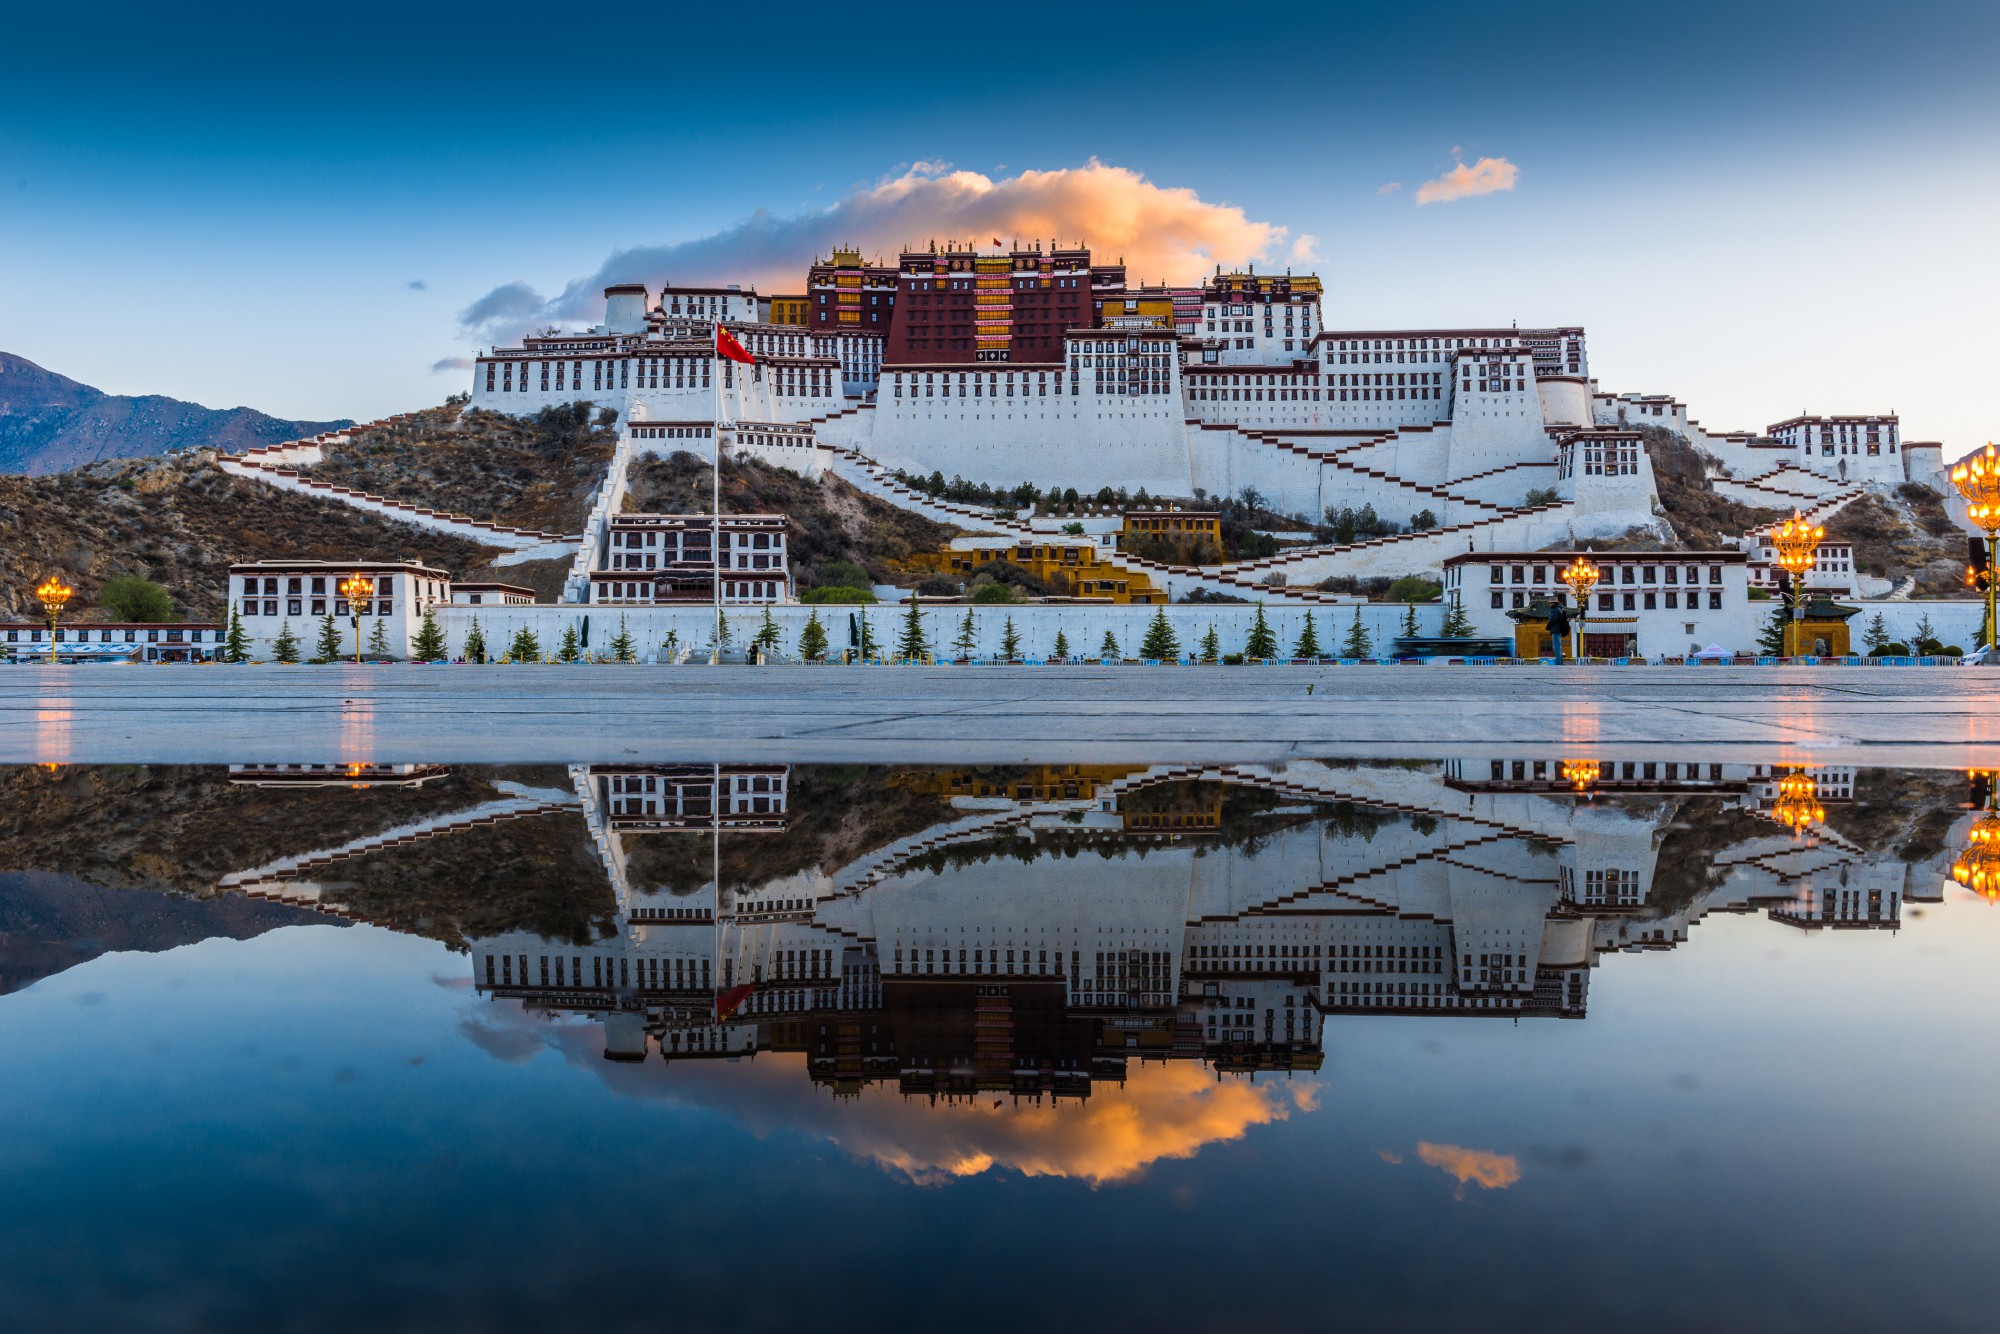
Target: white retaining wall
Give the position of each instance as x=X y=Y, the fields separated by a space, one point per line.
x=1036 y=624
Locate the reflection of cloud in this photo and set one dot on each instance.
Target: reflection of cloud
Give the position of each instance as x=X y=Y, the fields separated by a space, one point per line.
x=1483 y=177
x=1389 y=189
x=1389 y=1156
x=513 y=1044
x=1491 y=1171
x=1163 y=1110
x=1162 y=233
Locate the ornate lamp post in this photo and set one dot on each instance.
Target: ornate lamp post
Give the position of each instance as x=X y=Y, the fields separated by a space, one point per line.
x=1581 y=775
x=354 y=587
x=54 y=595
x=1977 y=477
x=1978 y=867
x=1582 y=577
x=1797 y=805
x=1797 y=543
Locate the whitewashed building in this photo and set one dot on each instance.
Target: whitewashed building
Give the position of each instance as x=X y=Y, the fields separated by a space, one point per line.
x=270 y=595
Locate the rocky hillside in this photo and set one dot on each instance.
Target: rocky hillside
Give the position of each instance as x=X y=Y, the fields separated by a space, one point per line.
x=181 y=522
x=534 y=472
x=50 y=423
x=832 y=523
x=1906 y=534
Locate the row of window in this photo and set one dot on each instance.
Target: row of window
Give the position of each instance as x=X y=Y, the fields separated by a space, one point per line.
x=1612 y=574
x=81 y=635
x=297 y=607
x=1605 y=601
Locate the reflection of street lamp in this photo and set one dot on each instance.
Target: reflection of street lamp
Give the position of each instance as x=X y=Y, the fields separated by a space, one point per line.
x=1581 y=774
x=1798 y=802
x=1978 y=867
x=353 y=587
x=1581 y=576
x=1977 y=478
x=54 y=595
x=1797 y=543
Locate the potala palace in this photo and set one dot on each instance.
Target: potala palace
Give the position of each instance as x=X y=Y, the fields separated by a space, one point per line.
x=1039 y=364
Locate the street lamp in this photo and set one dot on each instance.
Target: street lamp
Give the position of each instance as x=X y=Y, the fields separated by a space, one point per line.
x=1581 y=576
x=1797 y=804
x=54 y=595
x=1797 y=543
x=353 y=588
x=1977 y=477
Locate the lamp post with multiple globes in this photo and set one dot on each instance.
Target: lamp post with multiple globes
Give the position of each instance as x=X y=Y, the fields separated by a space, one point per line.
x=1797 y=543
x=54 y=595
x=1977 y=477
x=355 y=587
x=1582 y=577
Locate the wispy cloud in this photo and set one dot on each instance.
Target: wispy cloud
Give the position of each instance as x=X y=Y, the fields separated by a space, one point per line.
x=1389 y=189
x=1484 y=177
x=417 y=285
x=1489 y=1171
x=443 y=364
x=1305 y=250
x=1162 y=233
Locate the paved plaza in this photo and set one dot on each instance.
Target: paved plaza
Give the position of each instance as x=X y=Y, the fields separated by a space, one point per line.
x=1935 y=715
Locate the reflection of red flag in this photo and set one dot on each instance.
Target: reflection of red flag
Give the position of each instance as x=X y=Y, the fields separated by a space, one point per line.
x=730 y=1001
x=726 y=346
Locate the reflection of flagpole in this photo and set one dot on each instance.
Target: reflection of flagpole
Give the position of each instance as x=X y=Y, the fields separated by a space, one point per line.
x=715 y=512
x=715 y=869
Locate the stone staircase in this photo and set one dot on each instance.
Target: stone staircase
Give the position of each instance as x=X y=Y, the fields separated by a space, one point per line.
x=272 y=880
x=279 y=466
x=607 y=501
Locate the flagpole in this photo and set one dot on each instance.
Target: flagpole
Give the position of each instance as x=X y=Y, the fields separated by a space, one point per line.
x=715 y=506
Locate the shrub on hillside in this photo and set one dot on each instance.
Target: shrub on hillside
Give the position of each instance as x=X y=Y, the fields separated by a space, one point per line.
x=836 y=593
x=132 y=598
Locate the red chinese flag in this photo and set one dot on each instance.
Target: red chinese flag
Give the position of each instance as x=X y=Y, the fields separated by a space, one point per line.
x=727 y=347
x=730 y=1001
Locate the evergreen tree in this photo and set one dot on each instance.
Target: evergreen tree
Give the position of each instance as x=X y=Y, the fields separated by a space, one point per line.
x=525 y=647
x=812 y=639
x=1010 y=641
x=1359 y=643
x=237 y=647
x=328 y=647
x=1876 y=634
x=868 y=648
x=1109 y=650
x=475 y=642
x=571 y=648
x=378 y=640
x=1771 y=639
x=621 y=645
x=670 y=647
x=910 y=642
x=1211 y=646
x=429 y=645
x=1061 y=650
x=287 y=647
x=722 y=631
x=968 y=638
x=1409 y=627
x=1161 y=643
x=1457 y=625
x=1308 y=645
x=768 y=636
x=1926 y=633
x=1262 y=643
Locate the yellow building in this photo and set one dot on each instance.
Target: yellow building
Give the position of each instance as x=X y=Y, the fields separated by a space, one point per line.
x=1049 y=782
x=790 y=310
x=1074 y=568
x=1183 y=528
x=1143 y=308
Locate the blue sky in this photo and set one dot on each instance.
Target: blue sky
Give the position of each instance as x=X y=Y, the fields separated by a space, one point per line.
x=1760 y=207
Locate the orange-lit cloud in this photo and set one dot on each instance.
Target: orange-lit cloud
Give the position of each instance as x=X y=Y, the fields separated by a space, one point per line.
x=1163 y=234
x=1484 y=177
x=1490 y=1171
x=1163 y=1111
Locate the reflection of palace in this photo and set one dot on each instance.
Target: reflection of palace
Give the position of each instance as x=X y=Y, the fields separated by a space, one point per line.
x=1061 y=924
